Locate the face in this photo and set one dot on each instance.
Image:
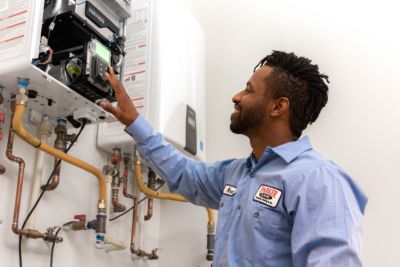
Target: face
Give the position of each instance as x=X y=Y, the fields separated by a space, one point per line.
x=251 y=103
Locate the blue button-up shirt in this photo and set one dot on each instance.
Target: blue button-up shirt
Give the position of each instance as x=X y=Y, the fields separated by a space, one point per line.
x=291 y=208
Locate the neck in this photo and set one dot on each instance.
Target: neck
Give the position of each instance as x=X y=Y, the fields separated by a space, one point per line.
x=260 y=139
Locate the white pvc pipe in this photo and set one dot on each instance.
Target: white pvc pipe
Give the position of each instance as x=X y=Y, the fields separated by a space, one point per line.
x=111 y=244
x=45 y=129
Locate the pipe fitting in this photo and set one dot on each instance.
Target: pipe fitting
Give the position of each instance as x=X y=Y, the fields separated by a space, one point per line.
x=210 y=246
x=79 y=226
x=33 y=234
x=117 y=207
x=116 y=157
x=141 y=253
x=51 y=237
x=100 y=229
x=101 y=222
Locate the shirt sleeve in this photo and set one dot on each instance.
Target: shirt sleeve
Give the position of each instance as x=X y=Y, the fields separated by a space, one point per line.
x=327 y=208
x=199 y=182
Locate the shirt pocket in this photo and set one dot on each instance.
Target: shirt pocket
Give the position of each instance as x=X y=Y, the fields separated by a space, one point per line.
x=224 y=214
x=262 y=228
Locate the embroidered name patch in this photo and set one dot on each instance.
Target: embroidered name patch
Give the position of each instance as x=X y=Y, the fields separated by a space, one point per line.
x=268 y=195
x=229 y=190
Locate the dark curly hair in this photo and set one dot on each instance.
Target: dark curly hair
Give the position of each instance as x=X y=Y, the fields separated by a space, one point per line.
x=300 y=81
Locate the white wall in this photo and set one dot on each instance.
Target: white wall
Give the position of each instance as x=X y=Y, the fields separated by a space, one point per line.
x=357 y=44
x=76 y=194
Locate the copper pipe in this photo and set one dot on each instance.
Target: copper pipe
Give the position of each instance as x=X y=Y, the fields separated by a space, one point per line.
x=138 y=252
x=55 y=179
x=60 y=143
x=151 y=184
x=117 y=207
x=124 y=178
x=2 y=120
x=116 y=181
x=21 y=168
x=133 y=229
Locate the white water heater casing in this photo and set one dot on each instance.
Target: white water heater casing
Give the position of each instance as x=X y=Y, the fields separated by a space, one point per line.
x=20 y=38
x=164 y=76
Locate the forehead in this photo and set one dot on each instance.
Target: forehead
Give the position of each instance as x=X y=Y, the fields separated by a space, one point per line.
x=259 y=76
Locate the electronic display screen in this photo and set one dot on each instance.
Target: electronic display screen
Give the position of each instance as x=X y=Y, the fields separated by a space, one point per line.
x=192 y=122
x=102 y=52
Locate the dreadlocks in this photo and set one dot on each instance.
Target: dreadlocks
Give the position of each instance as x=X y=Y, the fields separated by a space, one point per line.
x=300 y=81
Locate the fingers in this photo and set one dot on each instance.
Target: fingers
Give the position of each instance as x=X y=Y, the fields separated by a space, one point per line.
x=119 y=89
x=113 y=79
x=107 y=106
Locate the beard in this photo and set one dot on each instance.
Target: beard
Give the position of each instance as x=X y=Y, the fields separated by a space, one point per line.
x=244 y=120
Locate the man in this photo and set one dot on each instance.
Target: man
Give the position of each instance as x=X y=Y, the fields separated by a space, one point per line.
x=285 y=205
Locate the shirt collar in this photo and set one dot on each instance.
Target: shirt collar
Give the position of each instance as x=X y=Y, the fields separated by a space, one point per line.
x=288 y=151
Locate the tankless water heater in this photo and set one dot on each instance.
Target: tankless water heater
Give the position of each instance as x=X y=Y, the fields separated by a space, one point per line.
x=164 y=76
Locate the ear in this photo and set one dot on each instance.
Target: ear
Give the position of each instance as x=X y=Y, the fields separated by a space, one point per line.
x=280 y=106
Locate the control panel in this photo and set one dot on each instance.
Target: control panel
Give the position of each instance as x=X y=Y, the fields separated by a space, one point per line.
x=191 y=131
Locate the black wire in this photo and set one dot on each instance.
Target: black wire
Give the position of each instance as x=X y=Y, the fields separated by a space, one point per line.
x=131 y=208
x=52 y=247
x=54 y=242
x=43 y=191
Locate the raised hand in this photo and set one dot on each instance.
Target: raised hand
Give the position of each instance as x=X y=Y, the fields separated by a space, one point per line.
x=125 y=111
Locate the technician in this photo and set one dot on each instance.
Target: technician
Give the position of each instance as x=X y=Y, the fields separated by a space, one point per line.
x=285 y=205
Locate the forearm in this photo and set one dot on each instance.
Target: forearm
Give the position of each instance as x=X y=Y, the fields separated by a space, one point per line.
x=199 y=182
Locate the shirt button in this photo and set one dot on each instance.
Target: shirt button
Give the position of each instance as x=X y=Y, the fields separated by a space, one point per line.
x=256 y=214
x=252 y=175
x=238 y=207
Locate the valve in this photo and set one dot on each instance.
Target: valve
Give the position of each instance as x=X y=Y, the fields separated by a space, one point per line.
x=80 y=217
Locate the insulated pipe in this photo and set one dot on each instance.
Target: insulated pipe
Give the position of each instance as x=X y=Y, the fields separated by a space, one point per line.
x=21 y=132
x=45 y=128
x=176 y=197
x=147 y=191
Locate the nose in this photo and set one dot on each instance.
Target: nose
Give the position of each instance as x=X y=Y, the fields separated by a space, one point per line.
x=236 y=97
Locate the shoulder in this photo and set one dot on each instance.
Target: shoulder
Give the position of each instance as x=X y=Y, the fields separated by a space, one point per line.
x=323 y=180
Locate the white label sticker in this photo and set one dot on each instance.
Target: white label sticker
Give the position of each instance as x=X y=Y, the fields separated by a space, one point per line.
x=268 y=196
x=229 y=190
